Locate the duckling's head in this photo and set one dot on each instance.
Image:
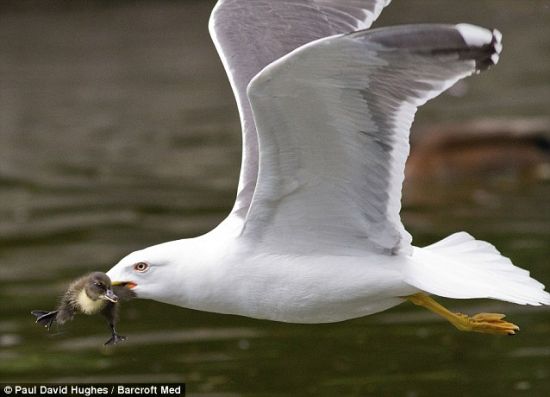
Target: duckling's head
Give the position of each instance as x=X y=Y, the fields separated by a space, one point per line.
x=98 y=287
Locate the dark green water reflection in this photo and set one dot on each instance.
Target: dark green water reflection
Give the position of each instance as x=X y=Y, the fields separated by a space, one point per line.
x=118 y=130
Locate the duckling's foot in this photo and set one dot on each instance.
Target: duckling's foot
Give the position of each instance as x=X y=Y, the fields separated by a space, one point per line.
x=486 y=323
x=45 y=318
x=115 y=339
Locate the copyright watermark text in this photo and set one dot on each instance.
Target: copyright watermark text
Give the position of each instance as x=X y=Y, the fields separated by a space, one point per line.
x=94 y=390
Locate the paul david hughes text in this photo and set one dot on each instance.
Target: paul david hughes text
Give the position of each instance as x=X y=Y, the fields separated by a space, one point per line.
x=90 y=390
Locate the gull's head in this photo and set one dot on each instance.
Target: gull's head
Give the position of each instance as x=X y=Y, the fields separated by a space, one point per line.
x=150 y=273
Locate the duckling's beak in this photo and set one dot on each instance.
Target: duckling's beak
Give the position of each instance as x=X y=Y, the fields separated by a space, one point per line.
x=110 y=296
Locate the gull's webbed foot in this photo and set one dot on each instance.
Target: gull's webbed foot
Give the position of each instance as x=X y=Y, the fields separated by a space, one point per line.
x=486 y=323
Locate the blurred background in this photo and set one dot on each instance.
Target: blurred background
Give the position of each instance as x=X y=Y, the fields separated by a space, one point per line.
x=118 y=130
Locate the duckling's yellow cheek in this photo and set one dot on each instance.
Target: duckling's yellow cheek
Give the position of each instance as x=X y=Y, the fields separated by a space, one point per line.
x=87 y=305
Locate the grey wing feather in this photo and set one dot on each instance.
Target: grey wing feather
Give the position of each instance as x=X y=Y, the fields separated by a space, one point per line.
x=249 y=35
x=333 y=120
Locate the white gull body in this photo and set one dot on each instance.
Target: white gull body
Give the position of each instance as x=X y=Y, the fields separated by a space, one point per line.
x=315 y=234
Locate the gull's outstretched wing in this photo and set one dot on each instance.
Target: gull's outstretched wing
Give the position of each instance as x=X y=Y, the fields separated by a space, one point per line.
x=250 y=34
x=333 y=120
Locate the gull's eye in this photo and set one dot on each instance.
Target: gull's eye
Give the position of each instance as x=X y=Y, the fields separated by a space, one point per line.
x=98 y=284
x=141 y=267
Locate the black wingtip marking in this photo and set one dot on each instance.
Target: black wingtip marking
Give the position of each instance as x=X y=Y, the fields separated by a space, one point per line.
x=491 y=52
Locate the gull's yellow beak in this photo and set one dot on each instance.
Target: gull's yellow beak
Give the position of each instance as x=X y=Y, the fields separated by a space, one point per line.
x=127 y=284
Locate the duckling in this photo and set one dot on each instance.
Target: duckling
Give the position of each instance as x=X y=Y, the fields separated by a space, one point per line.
x=90 y=294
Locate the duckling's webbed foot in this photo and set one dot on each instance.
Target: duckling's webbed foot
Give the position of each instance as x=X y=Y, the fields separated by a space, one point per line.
x=45 y=318
x=116 y=338
x=110 y=313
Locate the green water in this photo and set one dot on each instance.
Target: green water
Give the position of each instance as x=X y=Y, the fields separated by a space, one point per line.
x=118 y=130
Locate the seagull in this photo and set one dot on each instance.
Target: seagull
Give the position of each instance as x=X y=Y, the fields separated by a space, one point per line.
x=315 y=235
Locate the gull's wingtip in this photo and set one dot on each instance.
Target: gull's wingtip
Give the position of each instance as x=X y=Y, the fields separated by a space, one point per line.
x=476 y=36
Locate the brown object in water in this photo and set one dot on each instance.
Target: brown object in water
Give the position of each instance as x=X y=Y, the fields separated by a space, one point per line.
x=482 y=147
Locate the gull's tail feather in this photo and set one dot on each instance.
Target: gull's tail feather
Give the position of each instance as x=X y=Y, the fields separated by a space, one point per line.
x=462 y=267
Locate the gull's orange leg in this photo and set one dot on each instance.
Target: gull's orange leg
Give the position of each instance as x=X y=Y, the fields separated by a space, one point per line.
x=487 y=323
